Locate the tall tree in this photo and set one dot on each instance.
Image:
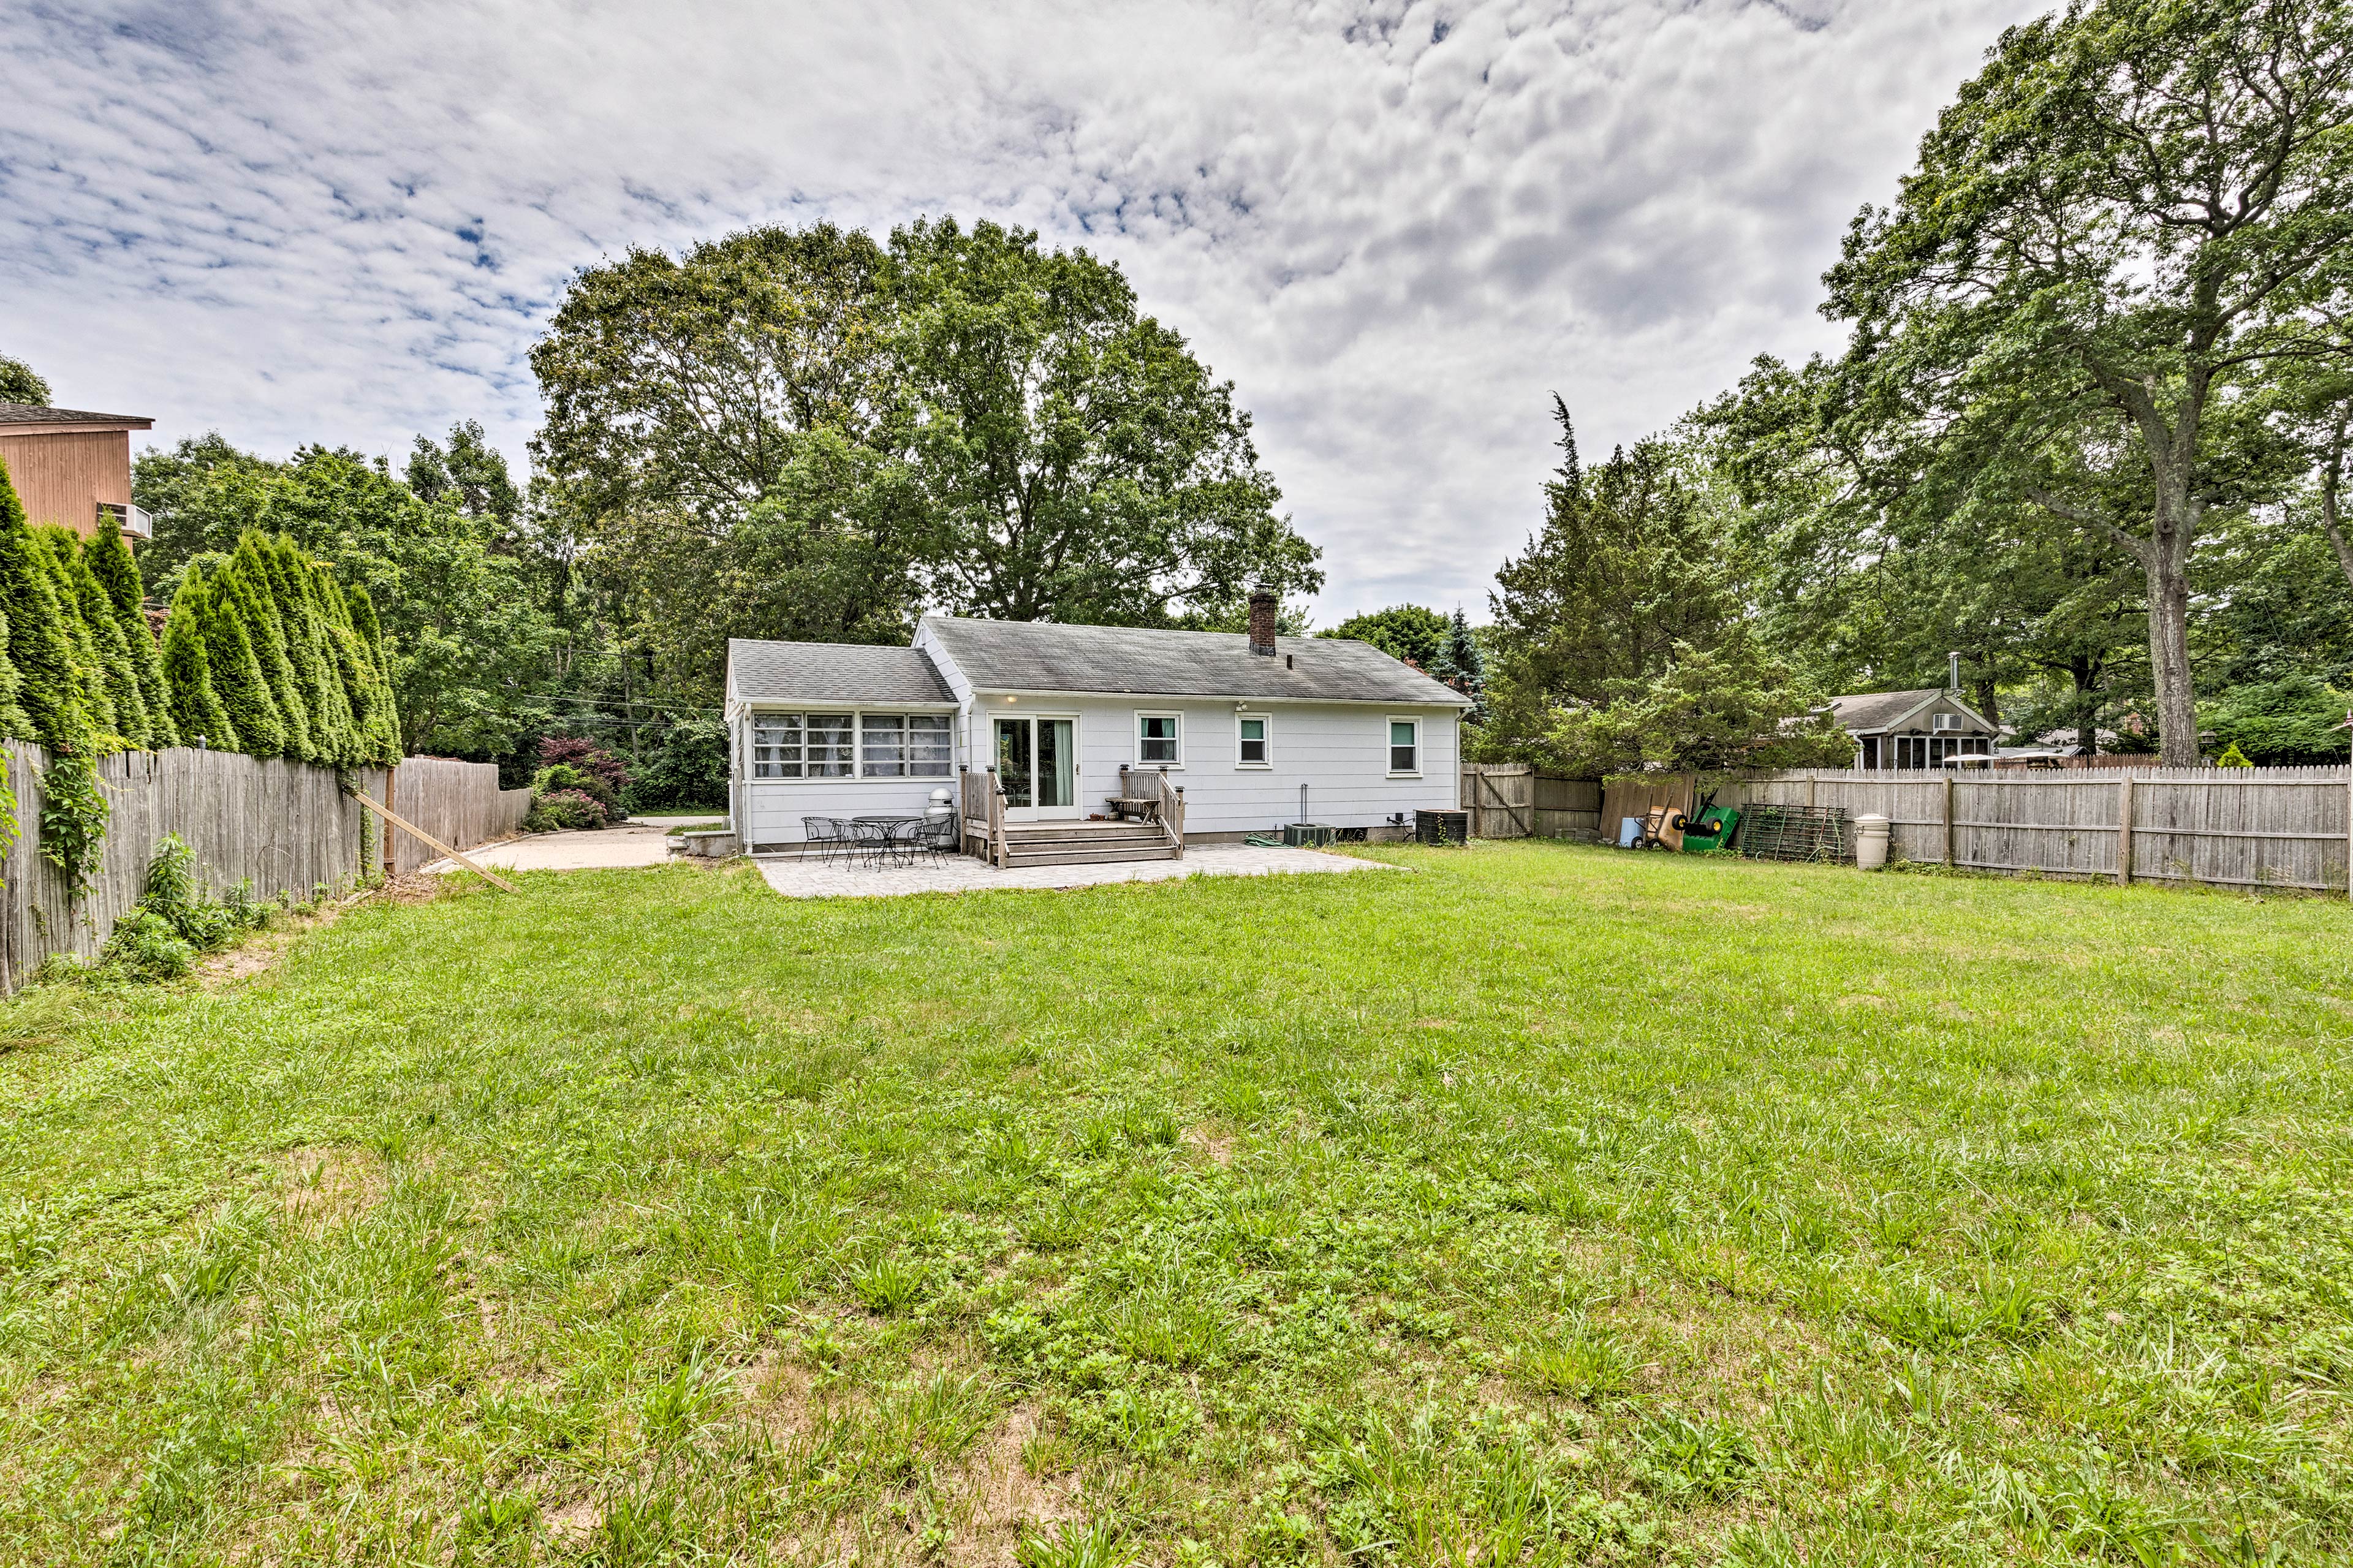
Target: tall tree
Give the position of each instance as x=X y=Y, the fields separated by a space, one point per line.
x=124 y=693
x=1402 y=631
x=465 y=639
x=55 y=546
x=1630 y=565
x=237 y=672
x=2133 y=211
x=38 y=645
x=469 y=473
x=199 y=715
x=1873 y=561
x=1076 y=461
x=19 y=383
x=1463 y=664
x=117 y=573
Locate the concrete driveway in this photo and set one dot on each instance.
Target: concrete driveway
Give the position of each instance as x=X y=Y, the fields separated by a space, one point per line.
x=631 y=844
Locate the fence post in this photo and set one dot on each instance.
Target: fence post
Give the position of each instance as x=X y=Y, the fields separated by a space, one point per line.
x=2124 y=831
x=1809 y=792
x=1948 y=821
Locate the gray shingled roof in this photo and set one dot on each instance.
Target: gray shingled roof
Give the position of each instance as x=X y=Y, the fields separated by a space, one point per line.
x=34 y=414
x=848 y=673
x=1036 y=655
x=1869 y=711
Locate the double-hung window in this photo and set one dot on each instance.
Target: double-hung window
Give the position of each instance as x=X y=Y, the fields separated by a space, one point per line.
x=1158 y=739
x=1405 y=746
x=1250 y=741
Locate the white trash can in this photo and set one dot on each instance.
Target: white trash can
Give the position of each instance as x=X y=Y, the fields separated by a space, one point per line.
x=1871 y=842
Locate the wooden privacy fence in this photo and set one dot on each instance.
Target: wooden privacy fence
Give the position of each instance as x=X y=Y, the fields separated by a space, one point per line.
x=2241 y=828
x=1513 y=800
x=284 y=827
x=459 y=803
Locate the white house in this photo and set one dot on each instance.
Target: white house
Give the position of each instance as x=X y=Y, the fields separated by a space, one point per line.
x=1241 y=721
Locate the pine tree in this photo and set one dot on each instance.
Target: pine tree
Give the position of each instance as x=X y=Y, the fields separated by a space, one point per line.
x=197 y=710
x=331 y=711
x=14 y=724
x=247 y=577
x=51 y=702
x=236 y=671
x=384 y=720
x=59 y=547
x=117 y=572
x=279 y=564
x=1460 y=665
x=106 y=632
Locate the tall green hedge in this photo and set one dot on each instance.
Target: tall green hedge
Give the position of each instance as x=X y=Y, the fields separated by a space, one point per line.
x=51 y=708
x=197 y=713
x=110 y=561
x=264 y=654
x=123 y=689
x=237 y=669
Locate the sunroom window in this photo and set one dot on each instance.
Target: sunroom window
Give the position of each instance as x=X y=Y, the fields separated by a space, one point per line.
x=831 y=746
x=777 y=746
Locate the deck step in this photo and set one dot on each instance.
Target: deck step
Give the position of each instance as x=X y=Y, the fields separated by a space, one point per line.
x=1017 y=857
x=1115 y=835
x=1080 y=834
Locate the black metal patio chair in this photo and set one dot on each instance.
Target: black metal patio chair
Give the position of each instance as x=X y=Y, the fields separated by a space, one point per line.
x=941 y=838
x=831 y=834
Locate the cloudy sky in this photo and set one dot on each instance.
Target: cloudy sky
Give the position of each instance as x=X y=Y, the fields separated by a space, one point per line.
x=1398 y=227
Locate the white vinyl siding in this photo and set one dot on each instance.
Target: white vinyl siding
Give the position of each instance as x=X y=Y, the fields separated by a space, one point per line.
x=1336 y=749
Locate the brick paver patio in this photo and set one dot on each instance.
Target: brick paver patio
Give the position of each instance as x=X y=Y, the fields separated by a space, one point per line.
x=796 y=877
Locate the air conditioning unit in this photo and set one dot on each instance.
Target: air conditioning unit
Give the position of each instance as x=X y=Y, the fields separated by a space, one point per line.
x=1947 y=721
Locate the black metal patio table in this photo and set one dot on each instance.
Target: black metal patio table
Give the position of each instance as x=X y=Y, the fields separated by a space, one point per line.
x=887 y=839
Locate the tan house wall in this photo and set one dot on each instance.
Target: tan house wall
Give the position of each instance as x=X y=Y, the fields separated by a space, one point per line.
x=61 y=476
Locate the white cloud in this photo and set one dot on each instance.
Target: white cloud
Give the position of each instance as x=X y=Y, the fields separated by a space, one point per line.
x=1396 y=226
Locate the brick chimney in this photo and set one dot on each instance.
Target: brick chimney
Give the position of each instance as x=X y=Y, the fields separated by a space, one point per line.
x=1261 y=623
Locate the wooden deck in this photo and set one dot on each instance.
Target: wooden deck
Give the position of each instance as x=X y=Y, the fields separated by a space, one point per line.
x=1007 y=845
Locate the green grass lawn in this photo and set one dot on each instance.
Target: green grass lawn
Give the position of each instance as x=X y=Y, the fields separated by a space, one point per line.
x=1542 y=1204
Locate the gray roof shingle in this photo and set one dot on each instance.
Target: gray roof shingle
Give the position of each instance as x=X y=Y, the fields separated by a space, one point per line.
x=34 y=414
x=848 y=673
x=1868 y=710
x=1039 y=655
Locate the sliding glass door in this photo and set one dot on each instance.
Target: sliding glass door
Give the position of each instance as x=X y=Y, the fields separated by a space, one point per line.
x=1037 y=764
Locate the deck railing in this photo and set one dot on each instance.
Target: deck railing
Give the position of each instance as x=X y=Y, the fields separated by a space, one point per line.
x=1172 y=812
x=983 y=808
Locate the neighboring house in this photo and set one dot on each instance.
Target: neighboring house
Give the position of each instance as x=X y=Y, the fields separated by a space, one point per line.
x=69 y=466
x=1912 y=729
x=1241 y=720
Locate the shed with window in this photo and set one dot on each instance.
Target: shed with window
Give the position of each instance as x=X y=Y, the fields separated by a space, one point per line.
x=1918 y=729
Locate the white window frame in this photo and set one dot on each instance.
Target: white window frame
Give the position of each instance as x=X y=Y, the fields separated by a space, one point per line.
x=1135 y=738
x=1266 y=739
x=905 y=762
x=1388 y=745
